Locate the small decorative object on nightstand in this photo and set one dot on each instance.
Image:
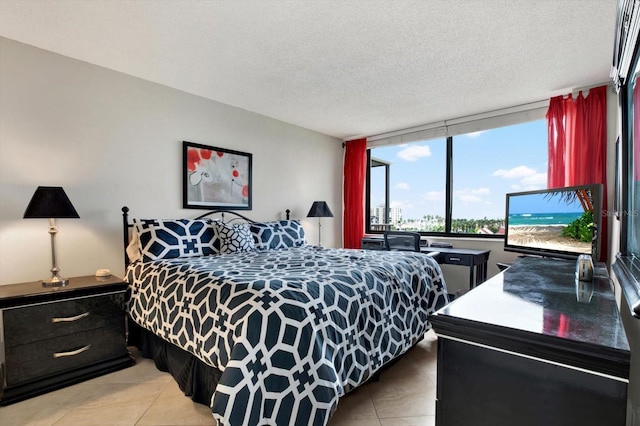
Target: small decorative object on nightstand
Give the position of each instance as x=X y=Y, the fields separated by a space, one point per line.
x=319 y=209
x=59 y=336
x=51 y=202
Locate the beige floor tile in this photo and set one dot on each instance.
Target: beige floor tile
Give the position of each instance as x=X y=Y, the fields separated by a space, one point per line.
x=143 y=371
x=172 y=407
x=411 y=405
x=366 y=422
x=356 y=405
x=112 y=404
x=399 y=381
x=409 y=421
x=43 y=410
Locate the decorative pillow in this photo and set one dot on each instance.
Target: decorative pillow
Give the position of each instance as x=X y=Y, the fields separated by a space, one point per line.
x=234 y=238
x=133 y=250
x=167 y=239
x=278 y=234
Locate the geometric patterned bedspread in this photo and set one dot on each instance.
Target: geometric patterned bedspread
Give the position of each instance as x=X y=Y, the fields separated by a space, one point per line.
x=291 y=330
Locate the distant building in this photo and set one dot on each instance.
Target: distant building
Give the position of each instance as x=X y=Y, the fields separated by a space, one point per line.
x=378 y=214
x=395 y=215
x=485 y=230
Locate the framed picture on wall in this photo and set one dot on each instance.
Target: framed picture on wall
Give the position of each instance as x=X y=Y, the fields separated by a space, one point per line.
x=215 y=178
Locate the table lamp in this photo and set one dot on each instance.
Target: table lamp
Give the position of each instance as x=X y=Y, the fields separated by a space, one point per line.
x=51 y=202
x=319 y=209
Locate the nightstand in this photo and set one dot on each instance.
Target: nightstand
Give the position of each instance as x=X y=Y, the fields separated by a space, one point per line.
x=56 y=337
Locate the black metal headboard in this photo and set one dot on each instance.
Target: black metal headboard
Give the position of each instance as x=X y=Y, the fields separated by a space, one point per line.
x=126 y=225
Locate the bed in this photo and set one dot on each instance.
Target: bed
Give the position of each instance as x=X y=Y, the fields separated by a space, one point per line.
x=264 y=328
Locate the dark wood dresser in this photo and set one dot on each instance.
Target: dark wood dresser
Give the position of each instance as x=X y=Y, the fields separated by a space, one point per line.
x=533 y=346
x=55 y=337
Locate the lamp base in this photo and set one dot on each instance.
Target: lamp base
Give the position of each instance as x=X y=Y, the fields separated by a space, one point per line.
x=55 y=282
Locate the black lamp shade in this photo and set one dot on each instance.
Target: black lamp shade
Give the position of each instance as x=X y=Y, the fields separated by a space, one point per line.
x=50 y=202
x=320 y=209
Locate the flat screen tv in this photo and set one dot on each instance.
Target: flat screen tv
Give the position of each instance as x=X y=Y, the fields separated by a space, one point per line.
x=559 y=222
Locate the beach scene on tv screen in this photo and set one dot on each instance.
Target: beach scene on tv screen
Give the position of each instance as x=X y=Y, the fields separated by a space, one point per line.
x=550 y=221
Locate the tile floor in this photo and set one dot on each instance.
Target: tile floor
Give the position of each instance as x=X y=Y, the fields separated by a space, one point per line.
x=142 y=395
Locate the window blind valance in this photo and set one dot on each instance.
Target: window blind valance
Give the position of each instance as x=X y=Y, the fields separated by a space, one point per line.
x=458 y=126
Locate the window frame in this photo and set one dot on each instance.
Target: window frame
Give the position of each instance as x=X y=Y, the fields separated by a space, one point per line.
x=627 y=139
x=448 y=199
x=449 y=129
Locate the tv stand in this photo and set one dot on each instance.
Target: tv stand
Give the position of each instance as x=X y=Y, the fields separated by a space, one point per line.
x=528 y=348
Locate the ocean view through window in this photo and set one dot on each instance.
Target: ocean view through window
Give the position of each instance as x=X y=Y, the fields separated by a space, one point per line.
x=423 y=188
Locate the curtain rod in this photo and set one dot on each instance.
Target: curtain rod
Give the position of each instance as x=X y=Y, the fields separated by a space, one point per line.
x=575 y=91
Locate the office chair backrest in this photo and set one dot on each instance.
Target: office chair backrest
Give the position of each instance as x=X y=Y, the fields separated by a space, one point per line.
x=401 y=240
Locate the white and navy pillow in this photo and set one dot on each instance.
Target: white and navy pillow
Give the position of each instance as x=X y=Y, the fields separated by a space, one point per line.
x=278 y=234
x=167 y=239
x=234 y=238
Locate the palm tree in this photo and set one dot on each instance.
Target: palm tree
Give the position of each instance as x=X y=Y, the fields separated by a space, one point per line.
x=583 y=195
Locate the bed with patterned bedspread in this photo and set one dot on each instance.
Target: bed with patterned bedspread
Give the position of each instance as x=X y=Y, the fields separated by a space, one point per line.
x=292 y=329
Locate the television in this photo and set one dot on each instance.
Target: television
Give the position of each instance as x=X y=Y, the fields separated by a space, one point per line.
x=560 y=222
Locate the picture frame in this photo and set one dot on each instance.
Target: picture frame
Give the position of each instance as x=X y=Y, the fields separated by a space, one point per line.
x=215 y=178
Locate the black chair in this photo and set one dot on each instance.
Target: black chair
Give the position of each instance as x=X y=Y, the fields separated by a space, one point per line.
x=402 y=241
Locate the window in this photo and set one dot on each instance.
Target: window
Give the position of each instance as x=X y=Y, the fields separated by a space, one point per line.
x=455 y=185
x=631 y=215
x=416 y=187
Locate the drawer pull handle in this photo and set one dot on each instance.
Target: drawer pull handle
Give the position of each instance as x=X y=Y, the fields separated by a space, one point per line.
x=70 y=319
x=71 y=353
x=455 y=259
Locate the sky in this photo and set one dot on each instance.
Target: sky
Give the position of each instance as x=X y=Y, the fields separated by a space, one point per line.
x=486 y=166
x=542 y=203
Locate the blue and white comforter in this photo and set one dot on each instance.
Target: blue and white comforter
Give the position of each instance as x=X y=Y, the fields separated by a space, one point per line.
x=291 y=330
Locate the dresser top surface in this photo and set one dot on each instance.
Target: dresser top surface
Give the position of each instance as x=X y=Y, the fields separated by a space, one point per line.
x=542 y=296
x=30 y=292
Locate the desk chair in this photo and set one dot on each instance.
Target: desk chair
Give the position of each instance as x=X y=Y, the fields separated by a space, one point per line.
x=402 y=241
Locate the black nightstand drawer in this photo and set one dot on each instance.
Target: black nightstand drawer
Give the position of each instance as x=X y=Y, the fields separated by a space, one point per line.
x=51 y=337
x=48 y=357
x=457 y=259
x=48 y=320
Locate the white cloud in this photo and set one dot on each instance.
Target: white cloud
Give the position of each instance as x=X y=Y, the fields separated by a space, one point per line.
x=414 y=152
x=433 y=196
x=472 y=195
x=404 y=205
x=403 y=186
x=468 y=198
x=530 y=183
x=475 y=134
x=539 y=179
x=515 y=173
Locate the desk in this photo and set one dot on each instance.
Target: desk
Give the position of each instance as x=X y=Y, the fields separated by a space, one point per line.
x=529 y=348
x=476 y=260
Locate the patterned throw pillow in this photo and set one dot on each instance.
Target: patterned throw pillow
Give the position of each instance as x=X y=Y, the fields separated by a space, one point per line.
x=278 y=234
x=234 y=238
x=167 y=239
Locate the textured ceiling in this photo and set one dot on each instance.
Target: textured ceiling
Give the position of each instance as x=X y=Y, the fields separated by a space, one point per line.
x=343 y=68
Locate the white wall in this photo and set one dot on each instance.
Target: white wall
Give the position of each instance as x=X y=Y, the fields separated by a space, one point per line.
x=112 y=140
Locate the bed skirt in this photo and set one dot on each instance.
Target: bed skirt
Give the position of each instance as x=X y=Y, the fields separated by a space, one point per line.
x=195 y=378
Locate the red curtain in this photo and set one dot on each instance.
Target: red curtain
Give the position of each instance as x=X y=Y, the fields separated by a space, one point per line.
x=355 y=172
x=577 y=139
x=577 y=132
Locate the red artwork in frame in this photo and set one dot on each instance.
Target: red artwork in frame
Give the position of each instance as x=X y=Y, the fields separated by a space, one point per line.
x=215 y=178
